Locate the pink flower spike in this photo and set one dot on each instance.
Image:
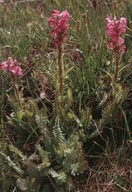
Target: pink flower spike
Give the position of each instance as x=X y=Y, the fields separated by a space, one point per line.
x=114 y=29
x=12 y=66
x=59 y=25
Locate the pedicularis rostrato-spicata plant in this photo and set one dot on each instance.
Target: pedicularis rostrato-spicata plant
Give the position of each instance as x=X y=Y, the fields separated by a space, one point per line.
x=59 y=24
x=115 y=28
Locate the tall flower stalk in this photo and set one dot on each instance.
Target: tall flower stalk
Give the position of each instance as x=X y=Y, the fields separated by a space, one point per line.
x=115 y=28
x=59 y=25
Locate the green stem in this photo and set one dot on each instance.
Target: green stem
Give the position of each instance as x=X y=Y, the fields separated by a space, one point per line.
x=16 y=91
x=60 y=72
x=116 y=71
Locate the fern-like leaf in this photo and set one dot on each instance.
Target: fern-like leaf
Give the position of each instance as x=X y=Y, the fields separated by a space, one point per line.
x=57 y=132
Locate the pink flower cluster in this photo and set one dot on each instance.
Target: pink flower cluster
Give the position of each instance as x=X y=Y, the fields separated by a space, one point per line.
x=11 y=65
x=114 y=29
x=59 y=25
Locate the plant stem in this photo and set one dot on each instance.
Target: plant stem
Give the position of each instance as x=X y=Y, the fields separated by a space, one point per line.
x=60 y=72
x=116 y=71
x=16 y=91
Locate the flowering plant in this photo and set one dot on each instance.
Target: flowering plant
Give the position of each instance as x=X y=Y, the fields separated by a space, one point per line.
x=114 y=29
x=59 y=24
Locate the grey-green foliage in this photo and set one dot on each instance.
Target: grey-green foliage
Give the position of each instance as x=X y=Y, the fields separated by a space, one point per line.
x=71 y=155
x=57 y=131
x=30 y=172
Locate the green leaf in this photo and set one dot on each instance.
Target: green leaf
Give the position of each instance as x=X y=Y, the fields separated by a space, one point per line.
x=45 y=159
x=17 y=151
x=19 y=114
x=67 y=71
x=57 y=132
x=72 y=114
x=59 y=177
x=29 y=113
x=69 y=95
x=12 y=164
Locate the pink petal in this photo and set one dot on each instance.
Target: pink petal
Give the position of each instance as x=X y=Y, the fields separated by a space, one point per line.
x=65 y=15
x=111 y=45
x=120 y=41
x=19 y=71
x=55 y=13
x=4 y=65
x=123 y=21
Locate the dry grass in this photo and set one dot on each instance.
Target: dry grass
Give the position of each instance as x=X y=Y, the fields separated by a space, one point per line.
x=109 y=176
